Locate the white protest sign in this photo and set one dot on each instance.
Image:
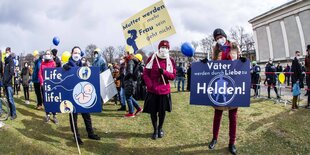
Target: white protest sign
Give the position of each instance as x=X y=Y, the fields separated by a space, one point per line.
x=107 y=86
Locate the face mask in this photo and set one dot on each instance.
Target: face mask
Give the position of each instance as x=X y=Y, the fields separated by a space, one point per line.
x=83 y=62
x=121 y=61
x=163 y=52
x=299 y=57
x=221 y=41
x=76 y=57
x=47 y=57
x=26 y=65
x=96 y=55
x=7 y=54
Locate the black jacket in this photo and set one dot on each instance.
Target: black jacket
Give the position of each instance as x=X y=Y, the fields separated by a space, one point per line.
x=57 y=61
x=296 y=69
x=129 y=78
x=8 y=71
x=270 y=77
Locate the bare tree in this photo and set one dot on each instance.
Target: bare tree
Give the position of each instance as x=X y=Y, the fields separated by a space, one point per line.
x=110 y=53
x=89 y=52
x=238 y=34
x=206 y=44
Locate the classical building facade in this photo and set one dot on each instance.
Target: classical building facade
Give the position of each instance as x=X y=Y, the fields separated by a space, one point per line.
x=281 y=31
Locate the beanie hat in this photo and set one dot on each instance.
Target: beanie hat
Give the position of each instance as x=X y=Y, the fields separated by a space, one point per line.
x=164 y=43
x=54 y=51
x=218 y=32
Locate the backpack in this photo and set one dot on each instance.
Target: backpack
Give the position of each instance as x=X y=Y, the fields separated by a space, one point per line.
x=296 y=89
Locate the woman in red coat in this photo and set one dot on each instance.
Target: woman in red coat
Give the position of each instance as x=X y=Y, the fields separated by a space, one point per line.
x=160 y=68
x=225 y=50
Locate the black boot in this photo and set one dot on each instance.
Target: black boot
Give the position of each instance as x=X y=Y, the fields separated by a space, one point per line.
x=160 y=133
x=232 y=149
x=212 y=144
x=155 y=135
x=123 y=108
x=95 y=137
x=79 y=140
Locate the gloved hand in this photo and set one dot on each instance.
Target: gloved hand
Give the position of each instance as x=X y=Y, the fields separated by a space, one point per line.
x=66 y=67
x=205 y=60
x=161 y=71
x=243 y=59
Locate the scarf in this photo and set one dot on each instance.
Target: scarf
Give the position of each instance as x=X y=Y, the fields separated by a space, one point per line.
x=169 y=66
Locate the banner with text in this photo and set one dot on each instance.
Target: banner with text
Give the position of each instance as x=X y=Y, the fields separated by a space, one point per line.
x=76 y=90
x=148 y=26
x=221 y=83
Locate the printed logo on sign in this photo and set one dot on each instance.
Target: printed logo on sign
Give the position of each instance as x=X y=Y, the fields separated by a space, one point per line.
x=220 y=96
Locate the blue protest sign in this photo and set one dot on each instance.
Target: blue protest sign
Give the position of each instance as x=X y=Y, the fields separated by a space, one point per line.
x=76 y=90
x=221 y=83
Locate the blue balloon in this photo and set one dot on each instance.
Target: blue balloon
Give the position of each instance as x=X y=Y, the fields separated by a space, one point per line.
x=56 y=41
x=187 y=49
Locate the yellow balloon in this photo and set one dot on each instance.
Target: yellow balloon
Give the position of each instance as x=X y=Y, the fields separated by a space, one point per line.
x=3 y=56
x=281 y=78
x=65 y=56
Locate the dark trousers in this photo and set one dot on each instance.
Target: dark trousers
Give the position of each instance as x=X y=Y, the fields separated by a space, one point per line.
x=271 y=84
x=232 y=124
x=161 y=116
x=16 y=89
x=26 y=92
x=87 y=121
x=288 y=80
x=294 y=104
x=37 y=89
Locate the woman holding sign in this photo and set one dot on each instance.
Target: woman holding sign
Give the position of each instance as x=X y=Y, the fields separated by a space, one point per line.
x=224 y=50
x=47 y=63
x=159 y=69
x=75 y=61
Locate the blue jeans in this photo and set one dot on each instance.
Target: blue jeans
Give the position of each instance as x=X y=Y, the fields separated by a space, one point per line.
x=132 y=103
x=180 y=79
x=9 y=96
x=123 y=98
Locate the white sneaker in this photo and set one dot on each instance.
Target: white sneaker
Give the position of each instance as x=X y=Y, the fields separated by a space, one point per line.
x=26 y=102
x=1 y=124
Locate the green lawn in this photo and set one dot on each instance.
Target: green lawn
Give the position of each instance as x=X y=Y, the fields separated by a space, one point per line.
x=264 y=128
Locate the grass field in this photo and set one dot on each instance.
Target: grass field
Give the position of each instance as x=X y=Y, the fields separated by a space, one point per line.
x=264 y=128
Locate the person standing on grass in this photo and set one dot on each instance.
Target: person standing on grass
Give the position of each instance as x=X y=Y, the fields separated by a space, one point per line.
x=75 y=61
x=35 y=79
x=189 y=72
x=131 y=64
x=180 y=76
x=122 y=87
x=25 y=74
x=47 y=63
x=307 y=66
x=271 y=78
x=7 y=81
x=159 y=69
x=296 y=76
x=225 y=50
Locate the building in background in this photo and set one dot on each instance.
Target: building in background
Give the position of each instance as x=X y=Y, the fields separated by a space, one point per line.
x=281 y=31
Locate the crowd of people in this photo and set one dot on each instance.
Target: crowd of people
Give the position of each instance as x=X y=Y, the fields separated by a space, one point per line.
x=149 y=81
x=296 y=75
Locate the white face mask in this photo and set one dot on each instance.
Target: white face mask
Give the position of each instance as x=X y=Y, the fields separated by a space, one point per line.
x=47 y=57
x=7 y=54
x=83 y=62
x=299 y=57
x=96 y=55
x=76 y=57
x=121 y=61
x=163 y=52
x=221 y=41
x=26 y=66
